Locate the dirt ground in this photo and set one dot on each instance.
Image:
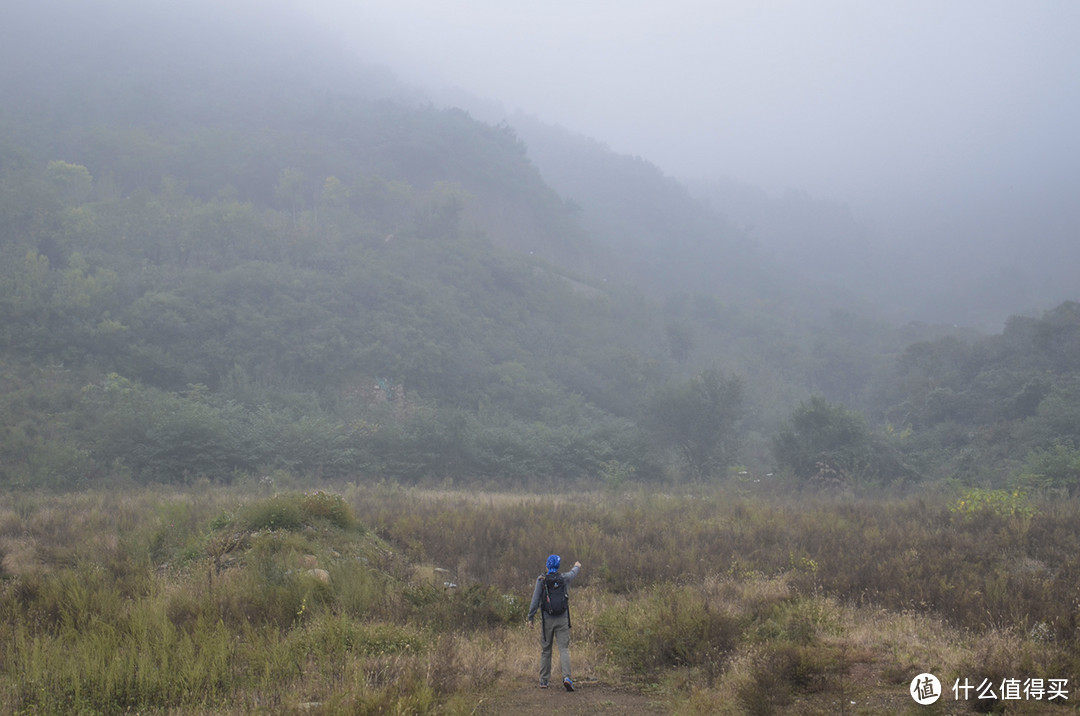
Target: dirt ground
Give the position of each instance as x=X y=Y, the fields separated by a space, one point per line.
x=590 y=696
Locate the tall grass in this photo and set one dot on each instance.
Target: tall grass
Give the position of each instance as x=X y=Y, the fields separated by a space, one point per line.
x=384 y=599
x=164 y=601
x=977 y=570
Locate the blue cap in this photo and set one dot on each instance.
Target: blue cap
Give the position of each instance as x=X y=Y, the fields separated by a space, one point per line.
x=553 y=563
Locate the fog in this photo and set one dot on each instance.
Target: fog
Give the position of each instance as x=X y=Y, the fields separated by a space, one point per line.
x=947 y=128
x=852 y=101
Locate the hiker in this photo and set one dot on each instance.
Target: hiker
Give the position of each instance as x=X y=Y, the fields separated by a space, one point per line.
x=550 y=596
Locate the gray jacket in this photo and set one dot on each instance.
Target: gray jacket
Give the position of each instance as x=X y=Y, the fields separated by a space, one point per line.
x=538 y=590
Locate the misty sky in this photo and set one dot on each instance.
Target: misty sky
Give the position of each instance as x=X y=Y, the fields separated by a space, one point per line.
x=849 y=100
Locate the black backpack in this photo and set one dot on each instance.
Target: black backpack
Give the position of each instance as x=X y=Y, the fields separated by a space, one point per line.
x=556 y=600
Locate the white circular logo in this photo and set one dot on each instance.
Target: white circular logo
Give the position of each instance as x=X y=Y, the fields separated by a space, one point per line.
x=925 y=689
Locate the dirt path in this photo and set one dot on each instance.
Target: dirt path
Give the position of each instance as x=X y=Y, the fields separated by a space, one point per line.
x=590 y=696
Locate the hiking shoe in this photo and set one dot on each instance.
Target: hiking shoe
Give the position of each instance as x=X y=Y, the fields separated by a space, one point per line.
x=568 y=684
x=543 y=684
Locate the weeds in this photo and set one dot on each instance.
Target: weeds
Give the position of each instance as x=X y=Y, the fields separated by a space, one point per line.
x=669 y=626
x=391 y=600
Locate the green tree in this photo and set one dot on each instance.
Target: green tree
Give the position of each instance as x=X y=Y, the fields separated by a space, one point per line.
x=825 y=441
x=167 y=437
x=699 y=419
x=81 y=292
x=1057 y=468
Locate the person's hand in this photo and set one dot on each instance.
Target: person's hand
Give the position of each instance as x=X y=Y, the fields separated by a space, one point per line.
x=529 y=622
x=577 y=564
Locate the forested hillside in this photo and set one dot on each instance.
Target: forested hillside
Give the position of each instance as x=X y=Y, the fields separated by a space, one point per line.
x=224 y=253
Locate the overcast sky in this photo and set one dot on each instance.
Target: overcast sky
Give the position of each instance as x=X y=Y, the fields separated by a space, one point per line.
x=849 y=100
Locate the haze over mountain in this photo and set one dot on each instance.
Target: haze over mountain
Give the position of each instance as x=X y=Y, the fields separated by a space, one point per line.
x=945 y=130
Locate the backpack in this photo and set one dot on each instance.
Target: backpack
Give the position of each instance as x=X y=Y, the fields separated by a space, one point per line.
x=556 y=601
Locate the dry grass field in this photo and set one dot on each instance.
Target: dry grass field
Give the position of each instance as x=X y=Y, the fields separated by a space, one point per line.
x=384 y=599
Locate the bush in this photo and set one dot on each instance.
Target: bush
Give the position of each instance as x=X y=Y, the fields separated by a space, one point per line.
x=294 y=510
x=336 y=635
x=698 y=419
x=463 y=608
x=977 y=502
x=828 y=445
x=780 y=671
x=1057 y=468
x=329 y=507
x=281 y=512
x=670 y=626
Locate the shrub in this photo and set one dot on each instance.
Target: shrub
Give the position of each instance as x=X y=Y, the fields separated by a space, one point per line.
x=824 y=441
x=979 y=502
x=293 y=510
x=615 y=474
x=779 y=671
x=328 y=506
x=669 y=626
x=797 y=621
x=463 y=608
x=281 y=512
x=335 y=635
x=1057 y=468
x=699 y=419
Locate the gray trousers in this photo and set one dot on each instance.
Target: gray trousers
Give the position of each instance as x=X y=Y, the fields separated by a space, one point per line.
x=556 y=630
